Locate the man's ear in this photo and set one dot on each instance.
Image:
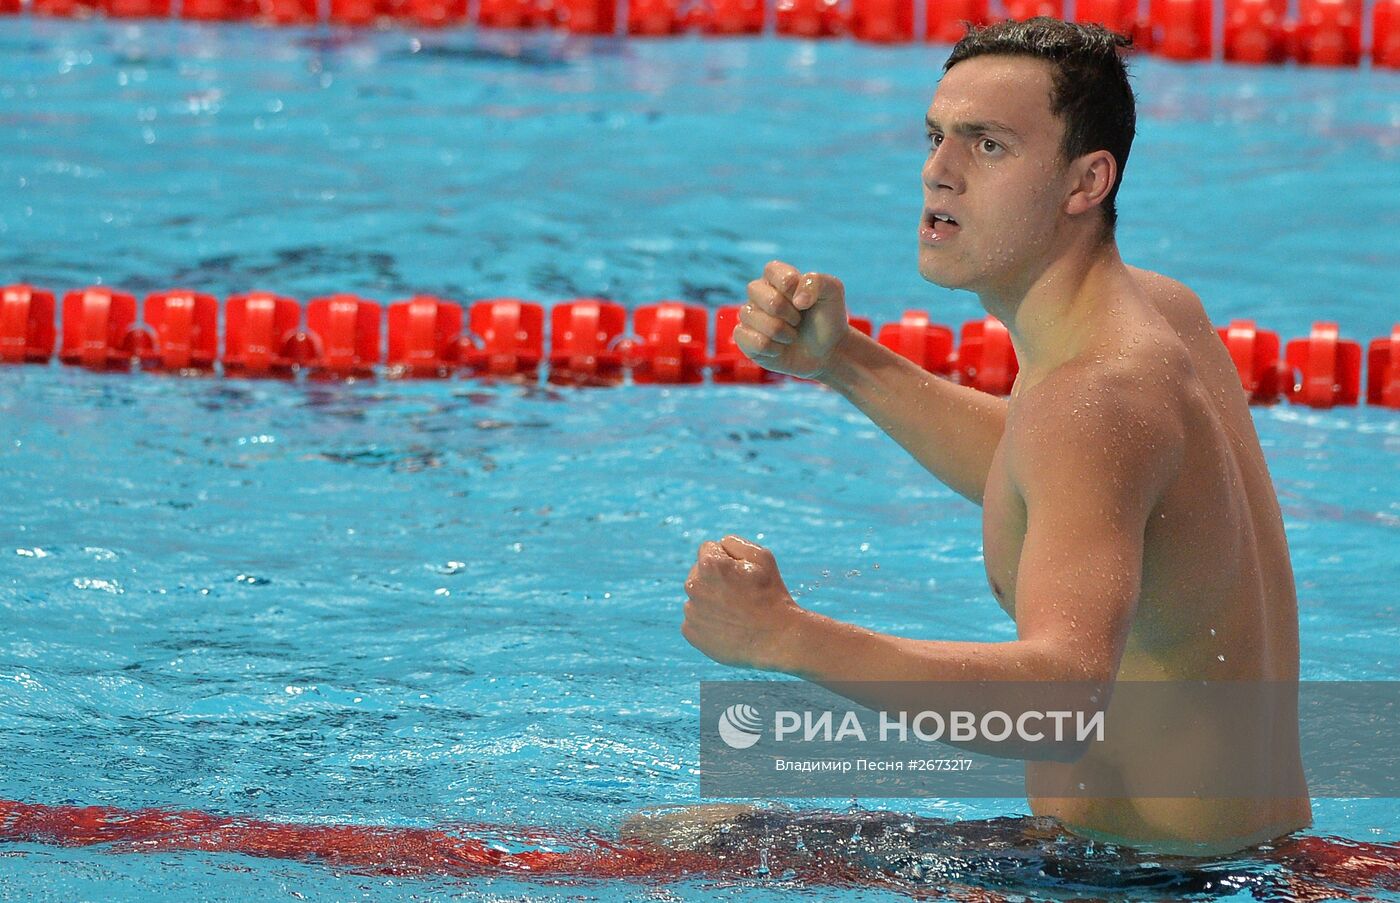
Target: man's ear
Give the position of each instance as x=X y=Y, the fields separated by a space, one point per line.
x=1094 y=175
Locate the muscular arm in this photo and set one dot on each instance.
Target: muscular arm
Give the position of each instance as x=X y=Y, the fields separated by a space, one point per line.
x=1091 y=457
x=951 y=430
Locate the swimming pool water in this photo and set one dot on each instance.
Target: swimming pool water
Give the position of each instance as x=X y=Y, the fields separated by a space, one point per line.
x=427 y=603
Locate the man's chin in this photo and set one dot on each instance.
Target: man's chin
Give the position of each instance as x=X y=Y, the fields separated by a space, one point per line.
x=941 y=277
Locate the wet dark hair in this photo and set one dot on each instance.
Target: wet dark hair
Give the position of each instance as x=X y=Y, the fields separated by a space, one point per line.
x=1090 y=84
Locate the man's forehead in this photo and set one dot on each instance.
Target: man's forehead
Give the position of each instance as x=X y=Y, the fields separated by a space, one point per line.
x=1014 y=90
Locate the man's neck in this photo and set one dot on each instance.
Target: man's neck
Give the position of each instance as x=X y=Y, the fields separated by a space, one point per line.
x=1051 y=315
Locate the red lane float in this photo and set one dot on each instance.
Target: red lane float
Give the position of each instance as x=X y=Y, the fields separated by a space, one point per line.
x=424 y=333
x=1385 y=34
x=97 y=329
x=883 y=21
x=26 y=325
x=590 y=344
x=511 y=336
x=588 y=16
x=585 y=342
x=258 y=330
x=986 y=360
x=435 y=13
x=927 y=344
x=136 y=9
x=1181 y=29
x=1120 y=16
x=344 y=334
x=355 y=12
x=810 y=18
x=1311 y=868
x=61 y=8
x=1029 y=9
x=288 y=12
x=654 y=18
x=1330 y=368
x=1255 y=353
x=185 y=327
x=1254 y=31
x=1383 y=370
x=670 y=343
x=382 y=850
x=946 y=21
x=728 y=17
x=218 y=10
x=1329 y=32
x=513 y=14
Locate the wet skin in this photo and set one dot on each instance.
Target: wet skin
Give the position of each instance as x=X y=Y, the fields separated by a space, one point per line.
x=1130 y=526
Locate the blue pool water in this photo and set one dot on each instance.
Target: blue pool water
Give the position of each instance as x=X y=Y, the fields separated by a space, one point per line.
x=422 y=604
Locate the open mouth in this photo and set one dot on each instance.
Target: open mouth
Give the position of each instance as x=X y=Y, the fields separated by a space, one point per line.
x=938 y=226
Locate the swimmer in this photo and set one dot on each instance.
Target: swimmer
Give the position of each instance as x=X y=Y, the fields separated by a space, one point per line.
x=1129 y=524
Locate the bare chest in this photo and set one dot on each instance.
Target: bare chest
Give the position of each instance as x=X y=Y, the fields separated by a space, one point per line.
x=1003 y=531
x=1192 y=557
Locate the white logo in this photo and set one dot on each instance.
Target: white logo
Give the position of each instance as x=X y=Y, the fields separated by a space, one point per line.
x=739 y=726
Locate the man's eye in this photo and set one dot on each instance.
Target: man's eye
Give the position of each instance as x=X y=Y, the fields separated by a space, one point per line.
x=989 y=146
x=934 y=139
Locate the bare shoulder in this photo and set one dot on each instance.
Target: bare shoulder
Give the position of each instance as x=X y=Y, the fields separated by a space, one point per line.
x=1105 y=417
x=1182 y=310
x=1175 y=301
x=1158 y=285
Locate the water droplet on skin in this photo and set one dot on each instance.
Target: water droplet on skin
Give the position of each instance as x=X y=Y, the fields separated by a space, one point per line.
x=1212 y=631
x=1220 y=658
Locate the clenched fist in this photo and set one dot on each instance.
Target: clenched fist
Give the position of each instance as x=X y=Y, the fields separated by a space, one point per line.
x=738 y=611
x=792 y=322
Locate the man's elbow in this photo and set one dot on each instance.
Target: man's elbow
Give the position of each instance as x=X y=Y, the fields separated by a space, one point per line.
x=1071 y=692
x=1067 y=661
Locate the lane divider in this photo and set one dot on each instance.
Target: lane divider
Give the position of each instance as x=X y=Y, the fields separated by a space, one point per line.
x=1323 y=33
x=590 y=343
x=1299 y=866
x=376 y=849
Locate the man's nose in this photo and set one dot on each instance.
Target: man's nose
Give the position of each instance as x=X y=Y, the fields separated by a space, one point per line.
x=943 y=169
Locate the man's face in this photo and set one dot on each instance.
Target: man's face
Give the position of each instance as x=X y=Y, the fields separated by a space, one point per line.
x=994 y=166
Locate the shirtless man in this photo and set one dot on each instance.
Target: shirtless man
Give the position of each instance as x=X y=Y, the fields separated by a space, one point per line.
x=1130 y=526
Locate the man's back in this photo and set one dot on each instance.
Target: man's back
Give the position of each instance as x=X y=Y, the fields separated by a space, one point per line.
x=1217 y=599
